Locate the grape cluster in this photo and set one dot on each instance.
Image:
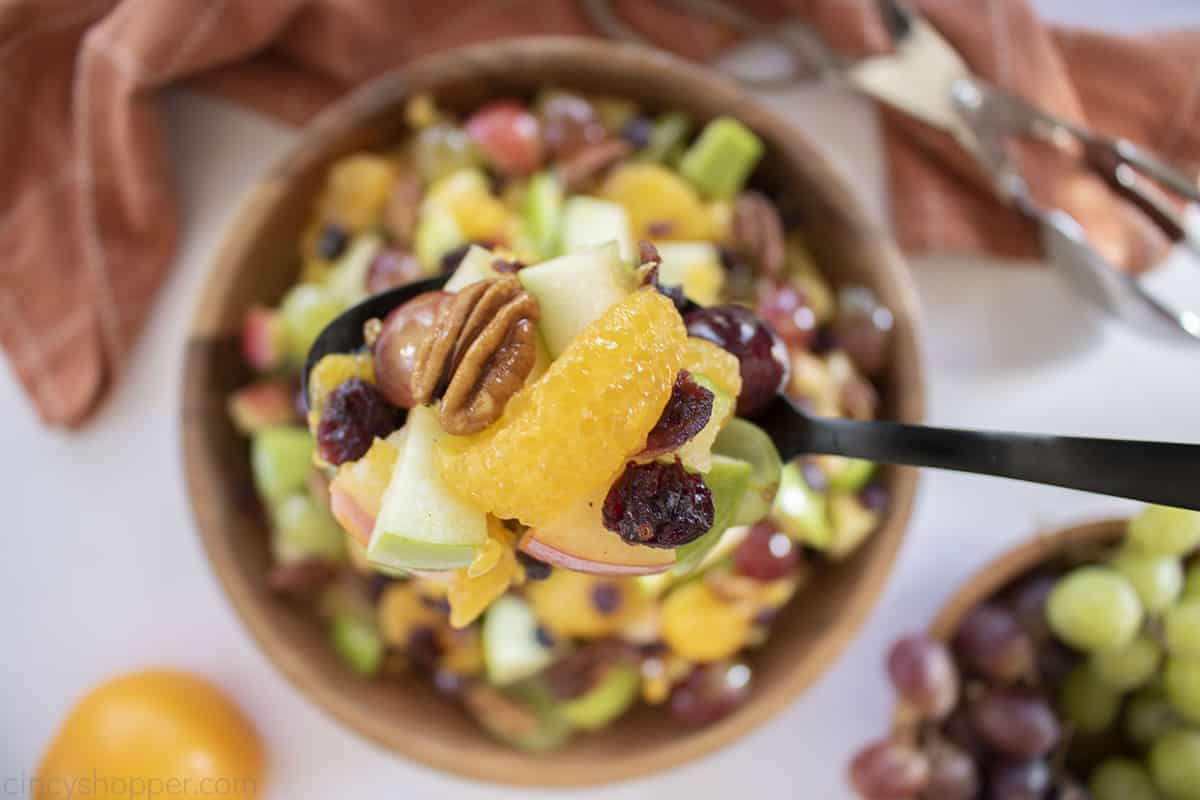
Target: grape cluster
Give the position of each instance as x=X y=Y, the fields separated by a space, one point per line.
x=1081 y=680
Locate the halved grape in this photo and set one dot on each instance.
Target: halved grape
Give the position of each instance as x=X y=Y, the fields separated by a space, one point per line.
x=1094 y=608
x=889 y=770
x=1182 y=681
x=1175 y=765
x=952 y=773
x=759 y=352
x=1087 y=702
x=924 y=674
x=1019 y=780
x=1130 y=667
x=710 y=692
x=1158 y=580
x=1027 y=601
x=992 y=643
x=1183 y=630
x=1166 y=531
x=1121 y=779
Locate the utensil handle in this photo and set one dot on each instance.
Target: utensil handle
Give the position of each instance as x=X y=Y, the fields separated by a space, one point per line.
x=1154 y=472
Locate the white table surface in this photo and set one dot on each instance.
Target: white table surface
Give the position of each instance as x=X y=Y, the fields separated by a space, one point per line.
x=101 y=570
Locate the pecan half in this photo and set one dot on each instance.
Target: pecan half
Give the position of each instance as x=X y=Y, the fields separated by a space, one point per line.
x=479 y=352
x=758 y=233
x=590 y=160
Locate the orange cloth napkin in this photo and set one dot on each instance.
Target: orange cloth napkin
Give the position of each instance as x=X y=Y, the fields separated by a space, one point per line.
x=89 y=221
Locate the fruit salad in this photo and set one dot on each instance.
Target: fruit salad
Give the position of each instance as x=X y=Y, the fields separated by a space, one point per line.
x=1081 y=680
x=542 y=484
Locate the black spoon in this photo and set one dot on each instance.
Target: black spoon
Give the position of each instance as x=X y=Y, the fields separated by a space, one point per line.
x=1153 y=472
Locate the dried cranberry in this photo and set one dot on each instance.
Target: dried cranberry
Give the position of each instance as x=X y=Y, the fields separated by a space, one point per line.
x=759 y=352
x=660 y=505
x=650 y=277
x=535 y=569
x=648 y=253
x=377 y=585
x=687 y=412
x=766 y=554
x=510 y=267
x=301 y=577
x=423 y=648
x=439 y=604
x=331 y=242
x=355 y=414
x=606 y=598
x=544 y=637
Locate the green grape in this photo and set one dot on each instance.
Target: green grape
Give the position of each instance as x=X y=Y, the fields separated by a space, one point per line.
x=1191 y=583
x=1087 y=702
x=357 y=641
x=280 y=458
x=1158 y=580
x=1121 y=779
x=1182 y=679
x=1183 y=630
x=1148 y=716
x=1094 y=608
x=305 y=530
x=306 y=310
x=1165 y=531
x=441 y=149
x=1175 y=765
x=1130 y=667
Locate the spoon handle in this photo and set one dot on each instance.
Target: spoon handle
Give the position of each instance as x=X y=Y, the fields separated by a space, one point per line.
x=1154 y=472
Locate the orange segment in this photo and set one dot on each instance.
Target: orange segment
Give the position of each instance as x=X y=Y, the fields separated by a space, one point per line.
x=702 y=357
x=571 y=432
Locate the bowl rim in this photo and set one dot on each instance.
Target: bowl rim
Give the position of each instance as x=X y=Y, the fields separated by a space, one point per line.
x=524 y=769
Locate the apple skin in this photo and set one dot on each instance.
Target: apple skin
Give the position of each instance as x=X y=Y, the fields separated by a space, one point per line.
x=560 y=558
x=350 y=515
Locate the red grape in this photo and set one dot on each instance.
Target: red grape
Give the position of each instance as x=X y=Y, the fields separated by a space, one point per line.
x=1021 y=780
x=761 y=356
x=509 y=137
x=889 y=770
x=991 y=642
x=396 y=347
x=863 y=328
x=1015 y=723
x=1027 y=599
x=569 y=123
x=392 y=268
x=766 y=554
x=924 y=674
x=711 y=692
x=952 y=773
x=785 y=308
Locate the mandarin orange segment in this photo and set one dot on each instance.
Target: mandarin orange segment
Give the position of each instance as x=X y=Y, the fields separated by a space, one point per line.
x=570 y=432
x=702 y=357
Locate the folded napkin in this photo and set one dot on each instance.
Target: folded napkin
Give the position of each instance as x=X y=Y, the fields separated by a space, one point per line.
x=89 y=221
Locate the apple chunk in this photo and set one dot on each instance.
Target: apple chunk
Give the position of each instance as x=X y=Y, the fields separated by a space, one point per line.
x=579 y=541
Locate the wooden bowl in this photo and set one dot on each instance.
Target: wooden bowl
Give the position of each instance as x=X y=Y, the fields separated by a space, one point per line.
x=1003 y=571
x=258 y=263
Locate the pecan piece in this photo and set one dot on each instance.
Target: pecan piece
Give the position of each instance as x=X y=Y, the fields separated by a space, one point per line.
x=480 y=350
x=758 y=233
x=590 y=160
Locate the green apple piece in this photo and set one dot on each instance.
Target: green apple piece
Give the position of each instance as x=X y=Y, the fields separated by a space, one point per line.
x=721 y=158
x=846 y=474
x=608 y=700
x=727 y=480
x=590 y=221
x=695 y=266
x=306 y=309
x=667 y=138
x=305 y=530
x=801 y=512
x=347 y=282
x=542 y=214
x=512 y=650
x=697 y=453
x=748 y=442
x=422 y=524
x=574 y=289
x=475 y=266
x=655 y=585
x=357 y=642
x=280 y=460
x=436 y=234
x=852 y=524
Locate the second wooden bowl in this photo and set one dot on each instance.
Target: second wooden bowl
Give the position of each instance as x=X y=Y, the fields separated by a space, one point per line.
x=258 y=264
